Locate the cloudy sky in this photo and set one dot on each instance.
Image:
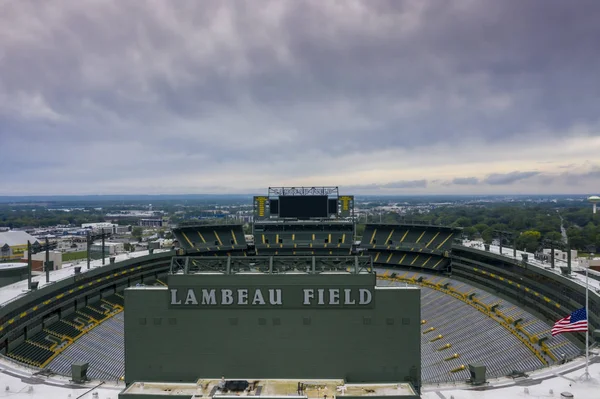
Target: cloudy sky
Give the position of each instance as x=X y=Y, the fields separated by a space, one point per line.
x=382 y=97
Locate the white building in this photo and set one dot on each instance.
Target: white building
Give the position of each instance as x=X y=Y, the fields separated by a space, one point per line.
x=111 y=248
x=55 y=256
x=98 y=227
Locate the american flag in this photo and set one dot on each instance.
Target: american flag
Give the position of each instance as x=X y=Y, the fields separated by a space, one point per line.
x=577 y=321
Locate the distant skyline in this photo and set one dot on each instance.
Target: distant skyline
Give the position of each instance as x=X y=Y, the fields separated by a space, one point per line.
x=378 y=97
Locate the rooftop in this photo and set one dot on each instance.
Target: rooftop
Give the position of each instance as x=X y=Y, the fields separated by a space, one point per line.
x=13 y=291
x=269 y=388
x=575 y=266
x=21 y=383
x=14 y=237
x=18 y=265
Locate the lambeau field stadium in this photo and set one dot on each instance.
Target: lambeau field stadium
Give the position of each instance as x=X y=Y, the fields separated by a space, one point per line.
x=302 y=309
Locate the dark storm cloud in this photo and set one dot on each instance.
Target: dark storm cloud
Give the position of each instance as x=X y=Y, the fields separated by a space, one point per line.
x=508 y=178
x=465 y=181
x=287 y=87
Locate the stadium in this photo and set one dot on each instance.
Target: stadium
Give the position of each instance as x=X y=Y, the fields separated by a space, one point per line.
x=484 y=313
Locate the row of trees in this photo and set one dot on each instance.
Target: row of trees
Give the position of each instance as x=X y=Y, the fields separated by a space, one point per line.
x=14 y=217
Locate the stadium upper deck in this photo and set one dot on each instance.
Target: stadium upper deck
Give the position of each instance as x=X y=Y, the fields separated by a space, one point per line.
x=14 y=291
x=575 y=266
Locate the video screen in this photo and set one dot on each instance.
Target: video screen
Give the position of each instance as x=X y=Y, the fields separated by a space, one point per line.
x=303 y=207
x=274 y=206
x=333 y=206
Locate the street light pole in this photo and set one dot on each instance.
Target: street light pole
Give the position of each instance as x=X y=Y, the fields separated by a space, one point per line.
x=29 y=265
x=47 y=264
x=103 y=260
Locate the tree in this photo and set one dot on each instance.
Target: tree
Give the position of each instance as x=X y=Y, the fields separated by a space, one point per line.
x=529 y=240
x=487 y=235
x=553 y=236
x=481 y=227
x=137 y=232
x=470 y=232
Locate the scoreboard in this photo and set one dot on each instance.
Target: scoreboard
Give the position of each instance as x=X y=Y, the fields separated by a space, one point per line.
x=303 y=207
x=346 y=206
x=261 y=209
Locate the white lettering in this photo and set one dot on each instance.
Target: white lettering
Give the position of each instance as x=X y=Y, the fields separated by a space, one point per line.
x=258 y=298
x=226 y=297
x=209 y=297
x=348 y=297
x=242 y=297
x=308 y=295
x=190 y=299
x=174 y=300
x=246 y=296
x=334 y=296
x=365 y=297
x=275 y=299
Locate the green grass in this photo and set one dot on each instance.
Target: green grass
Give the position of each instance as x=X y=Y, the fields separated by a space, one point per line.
x=70 y=256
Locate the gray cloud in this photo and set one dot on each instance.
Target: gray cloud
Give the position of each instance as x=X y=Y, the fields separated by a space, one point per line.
x=508 y=178
x=465 y=181
x=202 y=93
x=406 y=184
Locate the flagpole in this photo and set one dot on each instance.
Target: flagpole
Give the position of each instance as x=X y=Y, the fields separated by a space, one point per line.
x=587 y=319
x=586 y=376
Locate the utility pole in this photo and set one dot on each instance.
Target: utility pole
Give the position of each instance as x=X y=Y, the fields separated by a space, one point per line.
x=47 y=264
x=500 y=237
x=29 y=262
x=103 y=257
x=552 y=254
x=569 y=257
x=88 y=246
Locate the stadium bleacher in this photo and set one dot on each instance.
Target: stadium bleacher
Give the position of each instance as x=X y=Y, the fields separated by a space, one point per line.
x=481 y=340
x=436 y=239
x=409 y=246
x=42 y=347
x=454 y=334
x=303 y=238
x=211 y=238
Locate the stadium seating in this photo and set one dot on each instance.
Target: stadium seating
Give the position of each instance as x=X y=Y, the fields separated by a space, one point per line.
x=41 y=347
x=409 y=246
x=481 y=339
x=425 y=237
x=549 y=294
x=410 y=259
x=102 y=347
x=303 y=239
x=211 y=238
